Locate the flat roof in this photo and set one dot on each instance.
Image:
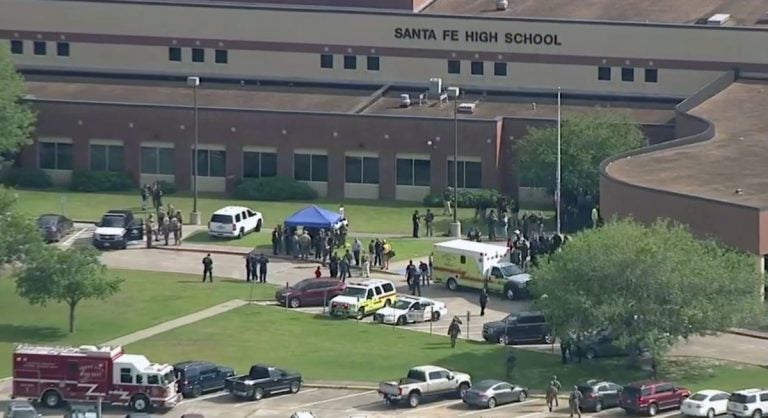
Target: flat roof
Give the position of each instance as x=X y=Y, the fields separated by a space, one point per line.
x=211 y=94
x=734 y=159
x=518 y=105
x=743 y=12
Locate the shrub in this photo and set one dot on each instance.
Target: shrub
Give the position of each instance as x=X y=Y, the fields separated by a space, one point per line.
x=27 y=177
x=273 y=189
x=167 y=187
x=466 y=198
x=100 y=181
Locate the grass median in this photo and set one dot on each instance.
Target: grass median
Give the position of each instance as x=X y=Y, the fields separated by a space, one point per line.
x=329 y=349
x=146 y=299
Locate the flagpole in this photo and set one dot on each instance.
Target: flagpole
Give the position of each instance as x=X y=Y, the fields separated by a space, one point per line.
x=559 y=169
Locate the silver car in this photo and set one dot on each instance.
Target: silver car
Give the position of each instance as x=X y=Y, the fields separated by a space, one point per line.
x=489 y=393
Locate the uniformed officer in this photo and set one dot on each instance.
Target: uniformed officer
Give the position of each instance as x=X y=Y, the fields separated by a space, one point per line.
x=208 y=268
x=483 y=301
x=574 y=401
x=454 y=330
x=248 y=267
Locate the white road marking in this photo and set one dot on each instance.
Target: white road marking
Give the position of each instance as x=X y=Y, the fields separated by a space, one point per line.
x=484 y=411
x=441 y=405
x=248 y=403
x=203 y=398
x=74 y=237
x=335 y=399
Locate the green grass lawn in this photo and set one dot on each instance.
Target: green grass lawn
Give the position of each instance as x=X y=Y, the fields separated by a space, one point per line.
x=329 y=349
x=365 y=216
x=147 y=298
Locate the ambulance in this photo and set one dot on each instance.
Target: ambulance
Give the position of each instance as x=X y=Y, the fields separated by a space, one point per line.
x=469 y=264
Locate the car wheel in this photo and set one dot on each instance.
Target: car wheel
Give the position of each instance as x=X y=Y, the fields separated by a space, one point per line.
x=757 y=414
x=257 y=394
x=401 y=320
x=294 y=303
x=549 y=339
x=414 y=399
x=451 y=284
x=295 y=386
x=522 y=397
x=240 y=233
x=505 y=340
x=435 y=316
x=360 y=314
x=652 y=409
x=509 y=293
x=197 y=390
x=599 y=406
x=258 y=226
x=51 y=399
x=491 y=403
x=463 y=389
x=140 y=403
x=711 y=413
x=590 y=354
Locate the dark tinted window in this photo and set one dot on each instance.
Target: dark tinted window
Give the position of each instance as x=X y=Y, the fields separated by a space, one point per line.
x=454 y=67
x=222 y=219
x=699 y=397
x=500 y=69
x=651 y=75
x=62 y=49
x=627 y=74
x=585 y=389
x=47 y=220
x=604 y=73
x=174 y=54
x=221 y=56
x=198 y=55
x=741 y=398
x=40 y=48
x=373 y=64
x=17 y=47
x=763 y=397
x=350 y=62
x=477 y=68
x=388 y=287
x=326 y=61
x=664 y=388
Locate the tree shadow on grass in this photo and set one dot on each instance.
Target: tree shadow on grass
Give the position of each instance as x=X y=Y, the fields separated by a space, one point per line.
x=10 y=333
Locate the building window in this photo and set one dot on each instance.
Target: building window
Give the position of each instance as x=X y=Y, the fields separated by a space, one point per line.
x=17 y=47
x=40 y=47
x=310 y=167
x=211 y=163
x=326 y=61
x=155 y=160
x=604 y=73
x=174 y=54
x=373 y=64
x=627 y=74
x=62 y=49
x=361 y=170
x=470 y=174
x=412 y=172
x=221 y=56
x=259 y=164
x=477 y=68
x=55 y=156
x=500 y=69
x=651 y=75
x=198 y=55
x=454 y=67
x=350 y=62
x=107 y=158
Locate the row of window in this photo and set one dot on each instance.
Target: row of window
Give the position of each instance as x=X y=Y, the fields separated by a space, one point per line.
x=176 y=54
x=39 y=48
x=213 y=163
x=349 y=62
x=603 y=73
x=628 y=74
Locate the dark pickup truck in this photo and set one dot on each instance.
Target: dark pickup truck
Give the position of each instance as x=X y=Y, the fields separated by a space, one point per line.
x=116 y=229
x=263 y=380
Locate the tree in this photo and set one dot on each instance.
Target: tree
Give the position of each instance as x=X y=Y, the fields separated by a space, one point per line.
x=69 y=276
x=586 y=140
x=16 y=118
x=648 y=285
x=19 y=237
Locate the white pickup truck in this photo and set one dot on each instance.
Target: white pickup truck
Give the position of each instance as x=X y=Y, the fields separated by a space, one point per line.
x=425 y=381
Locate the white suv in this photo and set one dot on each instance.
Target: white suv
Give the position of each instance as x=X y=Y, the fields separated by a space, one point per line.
x=749 y=403
x=234 y=222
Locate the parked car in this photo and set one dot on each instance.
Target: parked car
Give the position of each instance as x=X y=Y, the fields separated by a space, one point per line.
x=411 y=309
x=310 y=292
x=263 y=380
x=54 y=227
x=705 y=403
x=234 y=222
x=490 y=393
x=652 y=396
x=198 y=377
x=603 y=344
x=748 y=403
x=425 y=381
x=20 y=409
x=599 y=395
x=117 y=228
x=522 y=327
x=364 y=298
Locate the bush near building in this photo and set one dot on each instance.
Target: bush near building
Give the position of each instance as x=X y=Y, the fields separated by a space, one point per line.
x=273 y=189
x=100 y=181
x=32 y=178
x=466 y=199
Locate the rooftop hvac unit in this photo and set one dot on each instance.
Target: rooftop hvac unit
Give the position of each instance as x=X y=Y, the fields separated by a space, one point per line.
x=435 y=86
x=719 y=19
x=405 y=100
x=502 y=4
x=453 y=92
x=467 y=108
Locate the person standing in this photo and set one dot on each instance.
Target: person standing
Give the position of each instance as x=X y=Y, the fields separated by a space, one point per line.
x=344 y=268
x=428 y=219
x=416 y=283
x=263 y=261
x=424 y=270
x=333 y=265
x=366 y=265
x=483 y=301
x=574 y=401
x=431 y=262
x=454 y=330
x=144 y=197
x=386 y=254
x=357 y=246
x=276 y=241
x=492 y=220
x=208 y=268
x=595 y=216
x=447 y=200
x=341 y=212
x=410 y=271
x=555 y=386
x=318 y=272
x=248 y=267
x=377 y=250
x=565 y=350
x=415 y=221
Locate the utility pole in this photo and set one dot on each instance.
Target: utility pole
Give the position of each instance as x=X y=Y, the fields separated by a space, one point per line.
x=194 y=217
x=559 y=168
x=455 y=225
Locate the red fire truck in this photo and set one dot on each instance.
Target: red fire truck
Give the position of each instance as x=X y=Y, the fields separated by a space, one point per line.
x=53 y=375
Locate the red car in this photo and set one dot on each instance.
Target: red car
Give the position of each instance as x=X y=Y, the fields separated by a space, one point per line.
x=652 y=396
x=310 y=292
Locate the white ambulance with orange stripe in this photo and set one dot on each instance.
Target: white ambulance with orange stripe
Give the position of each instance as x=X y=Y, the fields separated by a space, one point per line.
x=468 y=264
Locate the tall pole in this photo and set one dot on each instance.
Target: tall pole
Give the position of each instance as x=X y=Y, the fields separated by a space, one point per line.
x=194 y=217
x=559 y=168
x=455 y=159
x=197 y=144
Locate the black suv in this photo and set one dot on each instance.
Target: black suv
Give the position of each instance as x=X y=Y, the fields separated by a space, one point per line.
x=599 y=395
x=521 y=327
x=198 y=377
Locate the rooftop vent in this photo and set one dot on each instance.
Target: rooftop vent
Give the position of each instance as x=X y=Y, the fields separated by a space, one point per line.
x=719 y=19
x=502 y=5
x=467 y=108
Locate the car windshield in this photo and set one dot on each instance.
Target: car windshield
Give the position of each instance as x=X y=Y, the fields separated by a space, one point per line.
x=699 y=397
x=303 y=284
x=511 y=318
x=221 y=219
x=403 y=304
x=510 y=270
x=741 y=398
x=585 y=389
x=358 y=292
x=169 y=378
x=113 y=221
x=47 y=221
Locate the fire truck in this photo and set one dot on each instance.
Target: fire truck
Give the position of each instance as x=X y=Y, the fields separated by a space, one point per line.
x=53 y=375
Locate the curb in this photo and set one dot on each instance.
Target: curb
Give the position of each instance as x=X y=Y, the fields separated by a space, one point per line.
x=747 y=333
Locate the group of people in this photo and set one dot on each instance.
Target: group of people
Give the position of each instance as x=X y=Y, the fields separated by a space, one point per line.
x=256 y=267
x=169 y=225
x=416 y=277
x=309 y=242
x=575 y=398
x=427 y=219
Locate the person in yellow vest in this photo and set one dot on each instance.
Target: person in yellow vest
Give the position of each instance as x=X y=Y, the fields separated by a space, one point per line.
x=595 y=217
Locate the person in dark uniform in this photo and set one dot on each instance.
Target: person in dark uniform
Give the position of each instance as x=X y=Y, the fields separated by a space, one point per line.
x=275 y=241
x=483 y=301
x=416 y=282
x=565 y=350
x=247 y=267
x=415 y=220
x=263 y=261
x=454 y=330
x=410 y=271
x=208 y=268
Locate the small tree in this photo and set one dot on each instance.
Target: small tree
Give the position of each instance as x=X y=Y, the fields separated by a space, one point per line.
x=65 y=276
x=649 y=286
x=16 y=119
x=19 y=236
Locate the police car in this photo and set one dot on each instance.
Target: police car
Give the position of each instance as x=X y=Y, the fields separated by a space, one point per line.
x=411 y=309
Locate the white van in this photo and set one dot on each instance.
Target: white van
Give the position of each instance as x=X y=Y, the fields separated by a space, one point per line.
x=234 y=222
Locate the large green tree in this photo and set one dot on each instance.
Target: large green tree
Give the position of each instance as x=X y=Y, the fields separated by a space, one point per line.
x=19 y=236
x=65 y=276
x=16 y=118
x=586 y=140
x=650 y=285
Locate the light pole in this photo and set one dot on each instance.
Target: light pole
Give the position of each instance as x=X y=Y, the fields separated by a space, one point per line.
x=455 y=225
x=558 y=174
x=194 y=217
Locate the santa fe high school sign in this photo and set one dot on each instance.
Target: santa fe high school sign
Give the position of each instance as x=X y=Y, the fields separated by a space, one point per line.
x=485 y=37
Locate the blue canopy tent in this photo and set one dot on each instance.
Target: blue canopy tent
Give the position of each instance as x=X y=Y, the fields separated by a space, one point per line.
x=313 y=217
